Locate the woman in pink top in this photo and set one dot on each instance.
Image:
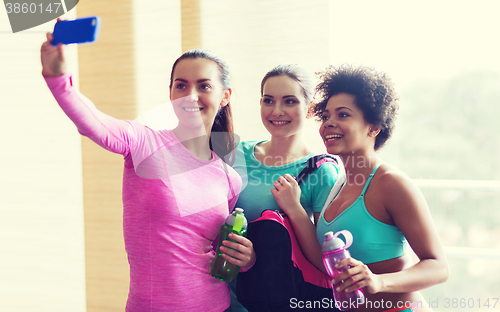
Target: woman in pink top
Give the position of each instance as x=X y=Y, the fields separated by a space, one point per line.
x=177 y=187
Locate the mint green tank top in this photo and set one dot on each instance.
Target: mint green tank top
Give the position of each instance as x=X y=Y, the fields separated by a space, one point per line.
x=257 y=179
x=373 y=240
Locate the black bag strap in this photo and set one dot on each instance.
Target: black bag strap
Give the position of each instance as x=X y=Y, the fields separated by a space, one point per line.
x=314 y=163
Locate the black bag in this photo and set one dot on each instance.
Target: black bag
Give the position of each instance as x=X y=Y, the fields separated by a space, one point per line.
x=276 y=281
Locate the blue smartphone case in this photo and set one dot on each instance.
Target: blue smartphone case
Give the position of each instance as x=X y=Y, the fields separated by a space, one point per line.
x=82 y=30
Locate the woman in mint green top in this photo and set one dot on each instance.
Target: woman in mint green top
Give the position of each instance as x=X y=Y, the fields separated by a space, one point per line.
x=286 y=94
x=377 y=203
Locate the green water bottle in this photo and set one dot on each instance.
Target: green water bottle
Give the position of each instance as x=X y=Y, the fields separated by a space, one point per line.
x=235 y=223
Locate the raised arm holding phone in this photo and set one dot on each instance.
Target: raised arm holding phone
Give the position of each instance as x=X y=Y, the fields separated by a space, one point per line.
x=177 y=191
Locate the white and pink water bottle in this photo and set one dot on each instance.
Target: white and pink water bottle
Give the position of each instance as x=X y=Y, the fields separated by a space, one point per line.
x=334 y=250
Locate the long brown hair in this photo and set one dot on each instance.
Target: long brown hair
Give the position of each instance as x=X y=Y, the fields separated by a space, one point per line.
x=222 y=132
x=295 y=72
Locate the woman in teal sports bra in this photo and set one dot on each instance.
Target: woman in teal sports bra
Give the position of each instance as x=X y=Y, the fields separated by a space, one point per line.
x=377 y=203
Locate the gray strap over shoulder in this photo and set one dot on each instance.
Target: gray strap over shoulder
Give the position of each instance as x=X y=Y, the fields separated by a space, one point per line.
x=335 y=190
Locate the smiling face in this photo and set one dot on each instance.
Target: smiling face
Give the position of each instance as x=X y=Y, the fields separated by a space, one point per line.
x=283 y=108
x=344 y=129
x=197 y=93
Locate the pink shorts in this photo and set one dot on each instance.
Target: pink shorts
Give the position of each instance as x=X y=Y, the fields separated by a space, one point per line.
x=406 y=308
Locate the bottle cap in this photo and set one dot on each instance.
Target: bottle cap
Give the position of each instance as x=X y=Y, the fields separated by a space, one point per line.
x=332 y=242
x=234 y=219
x=239 y=220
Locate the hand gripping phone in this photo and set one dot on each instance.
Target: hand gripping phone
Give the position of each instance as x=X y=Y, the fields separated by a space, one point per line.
x=81 y=30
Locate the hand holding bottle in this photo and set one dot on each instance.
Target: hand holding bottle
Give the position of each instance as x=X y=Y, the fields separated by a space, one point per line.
x=358 y=275
x=233 y=250
x=238 y=250
x=335 y=256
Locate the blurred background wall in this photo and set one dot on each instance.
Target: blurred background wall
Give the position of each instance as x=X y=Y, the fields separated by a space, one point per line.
x=42 y=253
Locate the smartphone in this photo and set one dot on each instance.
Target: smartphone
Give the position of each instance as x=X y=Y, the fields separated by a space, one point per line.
x=81 y=30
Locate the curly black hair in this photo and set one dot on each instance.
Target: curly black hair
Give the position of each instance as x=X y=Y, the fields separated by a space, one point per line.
x=373 y=91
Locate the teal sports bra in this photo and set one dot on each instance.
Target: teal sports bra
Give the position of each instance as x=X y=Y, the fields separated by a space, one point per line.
x=373 y=240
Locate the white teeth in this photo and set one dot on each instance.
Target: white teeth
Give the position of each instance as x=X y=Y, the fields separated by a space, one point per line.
x=192 y=109
x=279 y=122
x=333 y=136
